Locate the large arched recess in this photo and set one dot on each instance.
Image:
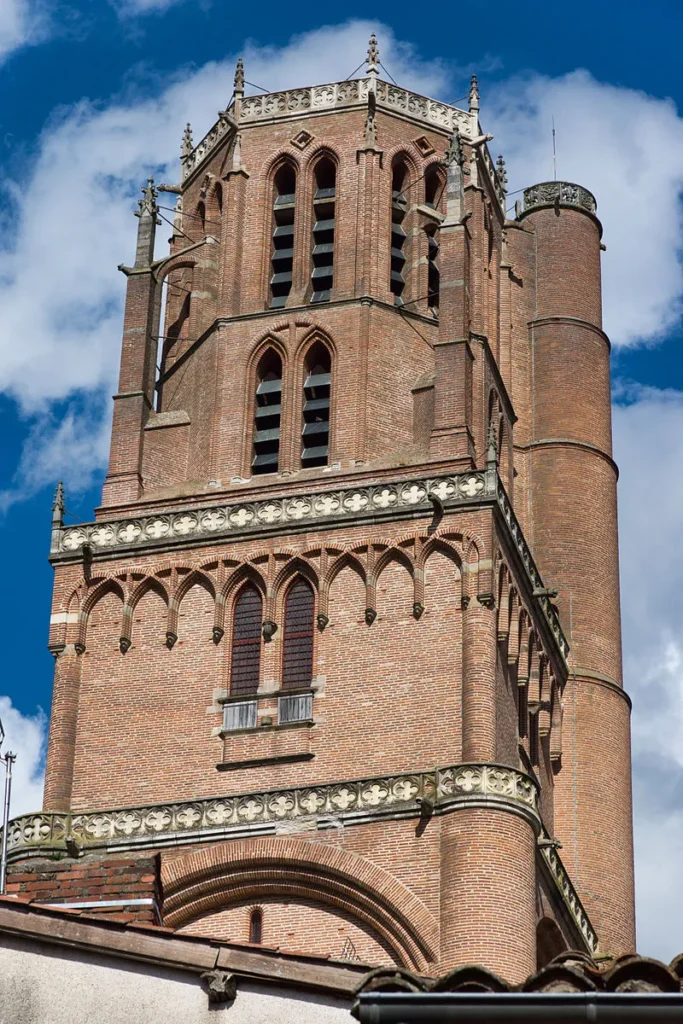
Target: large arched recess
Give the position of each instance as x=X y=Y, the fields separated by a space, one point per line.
x=213 y=879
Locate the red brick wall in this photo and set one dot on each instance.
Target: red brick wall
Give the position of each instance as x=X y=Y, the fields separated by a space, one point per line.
x=402 y=693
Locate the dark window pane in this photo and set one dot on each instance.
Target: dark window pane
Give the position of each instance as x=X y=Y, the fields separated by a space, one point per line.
x=246 y=641
x=297 y=655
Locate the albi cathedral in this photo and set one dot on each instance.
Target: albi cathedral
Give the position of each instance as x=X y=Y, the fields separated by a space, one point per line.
x=337 y=664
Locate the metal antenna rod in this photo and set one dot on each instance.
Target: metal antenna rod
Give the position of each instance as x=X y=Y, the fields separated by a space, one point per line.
x=8 y=759
x=554 y=153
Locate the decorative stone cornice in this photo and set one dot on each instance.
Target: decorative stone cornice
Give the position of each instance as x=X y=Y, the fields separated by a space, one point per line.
x=243 y=518
x=278 y=812
x=304 y=512
x=281 y=106
x=570 y=896
x=272 y=812
x=562 y=193
x=291 y=103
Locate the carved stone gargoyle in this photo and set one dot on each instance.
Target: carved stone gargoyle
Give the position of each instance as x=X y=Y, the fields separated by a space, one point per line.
x=221 y=986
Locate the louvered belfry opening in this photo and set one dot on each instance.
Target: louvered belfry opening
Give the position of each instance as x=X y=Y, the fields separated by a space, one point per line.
x=324 y=198
x=316 y=412
x=434 y=187
x=297 y=644
x=283 y=236
x=267 y=414
x=399 y=208
x=246 y=641
x=433 y=275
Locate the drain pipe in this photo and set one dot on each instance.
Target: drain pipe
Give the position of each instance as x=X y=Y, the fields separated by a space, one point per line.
x=539 y=1007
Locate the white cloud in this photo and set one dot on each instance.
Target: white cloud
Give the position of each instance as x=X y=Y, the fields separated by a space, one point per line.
x=22 y=23
x=627 y=148
x=61 y=296
x=647 y=436
x=133 y=8
x=25 y=736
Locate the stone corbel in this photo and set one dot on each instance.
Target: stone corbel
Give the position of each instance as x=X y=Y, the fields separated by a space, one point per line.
x=221 y=986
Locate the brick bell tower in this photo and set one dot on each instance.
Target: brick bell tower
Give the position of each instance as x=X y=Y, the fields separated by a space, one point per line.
x=311 y=690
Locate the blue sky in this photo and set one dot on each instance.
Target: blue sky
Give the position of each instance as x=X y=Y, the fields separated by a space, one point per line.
x=94 y=96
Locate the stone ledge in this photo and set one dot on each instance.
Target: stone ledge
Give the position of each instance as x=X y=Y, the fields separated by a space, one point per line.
x=356 y=802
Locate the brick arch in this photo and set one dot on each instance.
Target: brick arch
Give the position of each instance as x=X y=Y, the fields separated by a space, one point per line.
x=326 y=149
x=311 y=336
x=148 y=583
x=245 y=571
x=279 y=159
x=194 y=576
x=347 y=558
x=393 y=554
x=108 y=585
x=211 y=879
x=403 y=152
x=438 y=543
x=297 y=566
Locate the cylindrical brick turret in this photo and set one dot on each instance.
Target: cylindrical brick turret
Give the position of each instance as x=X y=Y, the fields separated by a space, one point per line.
x=573 y=532
x=488 y=892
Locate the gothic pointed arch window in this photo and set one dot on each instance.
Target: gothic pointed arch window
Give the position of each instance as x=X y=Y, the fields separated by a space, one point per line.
x=324 y=200
x=200 y=220
x=267 y=412
x=399 y=210
x=247 y=621
x=316 y=410
x=297 y=638
x=435 y=182
x=282 y=258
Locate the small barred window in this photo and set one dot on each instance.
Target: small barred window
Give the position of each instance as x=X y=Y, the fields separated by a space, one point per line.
x=246 y=641
x=297 y=644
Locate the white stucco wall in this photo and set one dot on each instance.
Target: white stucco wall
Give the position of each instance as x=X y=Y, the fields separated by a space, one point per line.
x=40 y=984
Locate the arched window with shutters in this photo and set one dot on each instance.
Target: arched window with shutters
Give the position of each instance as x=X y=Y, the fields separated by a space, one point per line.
x=316 y=411
x=433 y=274
x=399 y=209
x=246 y=641
x=245 y=663
x=282 y=258
x=324 y=196
x=297 y=640
x=266 y=454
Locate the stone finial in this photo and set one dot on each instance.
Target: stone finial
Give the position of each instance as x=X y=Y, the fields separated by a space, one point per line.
x=453 y=154
x=239 y=78
x=58 y=506
x=148 y=203
x=178 y=216
x=501 y=172
x=492 y=449
x=186 y=146
x=373 y=55
x=370 y=125
x=474 y=95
